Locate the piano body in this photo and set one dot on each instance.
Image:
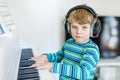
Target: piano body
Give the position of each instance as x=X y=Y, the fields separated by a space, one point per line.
x=11 y=52
x=13 y=55
x=9 y=56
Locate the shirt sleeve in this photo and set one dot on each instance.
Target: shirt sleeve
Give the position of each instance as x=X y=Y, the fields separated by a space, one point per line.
x=55 y=57
x=58 y=56
x=81 y=71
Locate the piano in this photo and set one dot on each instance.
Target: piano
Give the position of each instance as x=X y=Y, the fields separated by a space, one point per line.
x=14 y=55
x=27 y=52
x=14 y=59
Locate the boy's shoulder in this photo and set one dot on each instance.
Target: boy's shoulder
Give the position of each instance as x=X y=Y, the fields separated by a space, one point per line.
x=70 y=40
x=92 y=44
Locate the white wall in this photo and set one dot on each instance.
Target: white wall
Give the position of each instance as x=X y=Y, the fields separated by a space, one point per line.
x=40 y=21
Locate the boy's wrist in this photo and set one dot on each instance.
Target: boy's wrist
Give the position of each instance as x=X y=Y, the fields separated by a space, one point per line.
x=52 y=64
x=45 y=57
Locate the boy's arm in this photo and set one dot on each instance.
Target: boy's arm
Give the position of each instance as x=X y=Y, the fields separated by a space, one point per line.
x=83 y=69
x=55 y=57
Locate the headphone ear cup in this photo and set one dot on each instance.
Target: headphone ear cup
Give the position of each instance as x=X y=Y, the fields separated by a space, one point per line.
x=67 y=30
x=96 y=28
x=67 y=27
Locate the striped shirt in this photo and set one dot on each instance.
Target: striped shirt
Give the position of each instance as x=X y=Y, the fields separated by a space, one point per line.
x=75 y=61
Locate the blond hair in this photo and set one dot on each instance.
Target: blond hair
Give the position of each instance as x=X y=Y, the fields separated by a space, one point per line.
x=81 y=16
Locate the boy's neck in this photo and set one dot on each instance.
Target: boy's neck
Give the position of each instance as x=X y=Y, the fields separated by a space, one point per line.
x=82 y=42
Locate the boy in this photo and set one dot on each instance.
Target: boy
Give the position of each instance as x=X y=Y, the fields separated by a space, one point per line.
x=79 y=55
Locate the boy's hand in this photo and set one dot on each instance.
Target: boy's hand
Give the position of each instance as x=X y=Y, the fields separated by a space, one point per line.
x=42 y=66
x=41 y=58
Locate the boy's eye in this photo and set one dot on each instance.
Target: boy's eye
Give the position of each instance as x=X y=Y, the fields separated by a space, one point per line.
x=74 y=27
x=84 y=27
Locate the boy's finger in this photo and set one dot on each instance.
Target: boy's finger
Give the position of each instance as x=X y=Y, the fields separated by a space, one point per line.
x=34 y=65
x=32 y=58
x=40 y=68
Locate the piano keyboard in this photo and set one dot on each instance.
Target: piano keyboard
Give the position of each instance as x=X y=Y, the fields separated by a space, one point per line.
x=26 y=73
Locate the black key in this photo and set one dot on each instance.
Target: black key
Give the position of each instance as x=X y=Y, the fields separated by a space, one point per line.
x=28 y=76
x=26 y=54
x=36 y=78
x=26 y=63
x=27 y=71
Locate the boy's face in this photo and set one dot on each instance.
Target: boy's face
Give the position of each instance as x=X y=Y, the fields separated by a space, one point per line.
x=81 y=33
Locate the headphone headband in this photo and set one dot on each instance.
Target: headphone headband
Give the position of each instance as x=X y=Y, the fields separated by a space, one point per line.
x=89 y=9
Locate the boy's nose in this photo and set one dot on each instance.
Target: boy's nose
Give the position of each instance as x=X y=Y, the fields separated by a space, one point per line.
x=79 y=31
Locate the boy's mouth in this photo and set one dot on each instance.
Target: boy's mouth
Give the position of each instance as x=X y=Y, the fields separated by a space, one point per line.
x=78 y=36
